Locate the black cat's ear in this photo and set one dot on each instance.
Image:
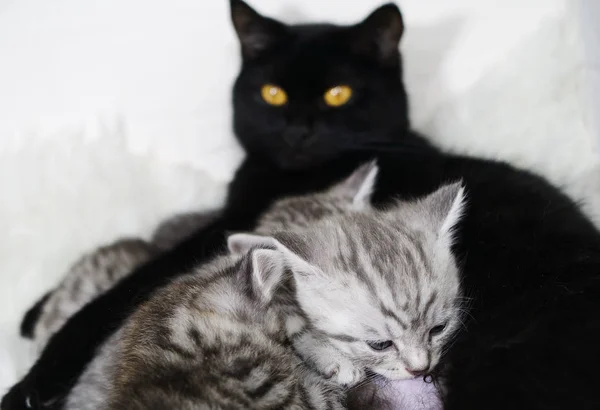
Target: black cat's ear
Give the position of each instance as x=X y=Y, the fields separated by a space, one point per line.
x=379 y=34
x=255 y=32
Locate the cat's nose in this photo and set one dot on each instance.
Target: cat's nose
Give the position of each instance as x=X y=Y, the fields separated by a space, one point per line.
x=417 y=372
x=295 y=134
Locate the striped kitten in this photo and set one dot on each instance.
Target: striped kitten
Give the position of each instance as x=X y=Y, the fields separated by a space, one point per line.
x=378 y=290
x=217 y=340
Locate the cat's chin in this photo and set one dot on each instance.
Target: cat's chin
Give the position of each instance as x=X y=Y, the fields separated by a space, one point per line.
x=297 y=164
x=299 y=161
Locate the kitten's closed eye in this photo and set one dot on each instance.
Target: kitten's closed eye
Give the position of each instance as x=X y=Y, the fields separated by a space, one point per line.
x=273 y=95
x=436 y=330
x=380 y=346
x=338 y=95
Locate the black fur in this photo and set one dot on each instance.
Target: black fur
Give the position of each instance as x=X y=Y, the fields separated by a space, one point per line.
x=32 y=316
x=531 y=260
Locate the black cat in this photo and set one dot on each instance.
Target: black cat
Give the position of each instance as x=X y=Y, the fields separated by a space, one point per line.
x=311 y=102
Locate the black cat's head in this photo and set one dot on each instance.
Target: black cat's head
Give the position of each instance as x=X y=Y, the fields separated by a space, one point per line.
x=308 y=93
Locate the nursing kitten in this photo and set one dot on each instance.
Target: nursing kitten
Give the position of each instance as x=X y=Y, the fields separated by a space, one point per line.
x=375 y=290
x=379 y=291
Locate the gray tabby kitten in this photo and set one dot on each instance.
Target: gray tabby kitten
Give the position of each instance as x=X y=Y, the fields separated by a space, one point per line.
x=378 y=290
x=217 y=339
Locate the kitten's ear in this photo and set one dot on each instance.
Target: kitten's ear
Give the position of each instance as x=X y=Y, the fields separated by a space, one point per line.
x=291 y=244
x=358 y=187
x=379 y=34
x=269 y=259
x=255 y=32
x=241 y=243
x=445 y=207
x=268 y=270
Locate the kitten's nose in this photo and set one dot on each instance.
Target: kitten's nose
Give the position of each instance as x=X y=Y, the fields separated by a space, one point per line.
x=417 y=372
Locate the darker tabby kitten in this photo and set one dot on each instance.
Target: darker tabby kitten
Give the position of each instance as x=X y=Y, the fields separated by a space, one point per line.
x=310 y=103
x=214 y=339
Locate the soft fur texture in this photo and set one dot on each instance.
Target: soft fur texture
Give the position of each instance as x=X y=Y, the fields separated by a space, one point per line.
x=517 y=88
x=524 y=245
x=212 y=341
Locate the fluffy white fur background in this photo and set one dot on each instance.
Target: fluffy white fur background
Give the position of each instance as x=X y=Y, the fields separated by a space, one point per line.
x=115 y=114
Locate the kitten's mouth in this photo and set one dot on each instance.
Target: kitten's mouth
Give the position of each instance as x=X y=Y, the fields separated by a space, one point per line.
x=383 y=378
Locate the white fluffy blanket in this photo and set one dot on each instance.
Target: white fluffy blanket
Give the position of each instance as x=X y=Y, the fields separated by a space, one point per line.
x=115 y=114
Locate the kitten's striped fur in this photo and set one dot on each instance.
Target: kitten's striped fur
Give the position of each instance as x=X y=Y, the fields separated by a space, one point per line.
x=374 y=277
x=212 y=341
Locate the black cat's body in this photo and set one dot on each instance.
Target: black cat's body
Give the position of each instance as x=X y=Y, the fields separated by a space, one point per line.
x=530 y=259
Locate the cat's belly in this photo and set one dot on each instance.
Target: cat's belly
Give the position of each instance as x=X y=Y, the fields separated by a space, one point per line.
x=412 y=394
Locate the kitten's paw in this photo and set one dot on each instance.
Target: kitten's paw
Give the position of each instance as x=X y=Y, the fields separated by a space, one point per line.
x=344 y=374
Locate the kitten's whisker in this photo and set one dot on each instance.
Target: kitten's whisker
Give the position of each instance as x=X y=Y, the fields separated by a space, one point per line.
x=362 y=384
x=465 y=312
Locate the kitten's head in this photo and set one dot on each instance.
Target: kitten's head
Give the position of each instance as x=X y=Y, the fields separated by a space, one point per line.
x=307 y=93
x=351 y=194
x=383 y=287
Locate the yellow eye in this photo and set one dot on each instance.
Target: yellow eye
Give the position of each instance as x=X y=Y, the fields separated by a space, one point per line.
x=273 y=95
x=338 y=95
